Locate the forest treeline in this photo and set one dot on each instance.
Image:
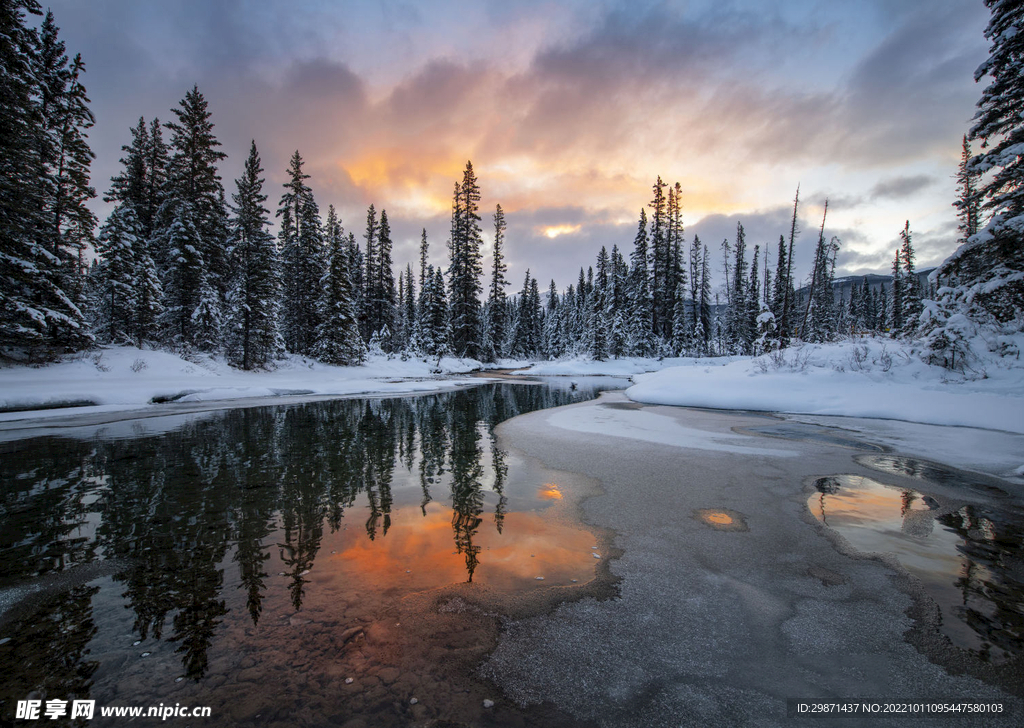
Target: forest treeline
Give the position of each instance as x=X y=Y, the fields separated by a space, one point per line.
x=181 y=264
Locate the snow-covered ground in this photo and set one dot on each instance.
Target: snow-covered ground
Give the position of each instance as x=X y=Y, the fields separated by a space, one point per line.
x=874 y=378
x=868 y=378
x=123 y=378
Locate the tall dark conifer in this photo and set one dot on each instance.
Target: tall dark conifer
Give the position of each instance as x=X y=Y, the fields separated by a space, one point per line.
x=253 y=336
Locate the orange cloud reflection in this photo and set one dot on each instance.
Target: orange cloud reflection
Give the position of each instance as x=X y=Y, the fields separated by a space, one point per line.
x=419 y=552
x=549 y=491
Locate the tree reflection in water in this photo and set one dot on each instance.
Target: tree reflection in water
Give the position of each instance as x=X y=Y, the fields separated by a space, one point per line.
x=230 y=490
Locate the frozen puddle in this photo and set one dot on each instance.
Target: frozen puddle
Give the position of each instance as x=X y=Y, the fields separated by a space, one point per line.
x=969 y=558
x=656 y=428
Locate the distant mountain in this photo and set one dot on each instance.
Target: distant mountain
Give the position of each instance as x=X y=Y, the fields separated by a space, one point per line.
x=843 y=286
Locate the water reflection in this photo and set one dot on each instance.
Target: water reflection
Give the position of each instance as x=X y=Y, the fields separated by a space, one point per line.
x=970 y=558
x=405 y=493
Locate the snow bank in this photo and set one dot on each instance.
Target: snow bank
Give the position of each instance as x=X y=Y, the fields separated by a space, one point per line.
x=624 y=367
x=125 y=377
x=861 y=378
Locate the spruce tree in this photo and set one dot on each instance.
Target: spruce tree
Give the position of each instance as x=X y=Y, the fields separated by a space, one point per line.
x=968 y=202
x=660 y=254
x=367 y=317
x=985 y=276
x=912 y=305
x=465 y=267
x=253 y=337
x=192 y=180
x=44 y=222
x=640 y=337
x=896 y=300
x=496 y=300
x=338 y=340
x=66 y=119
x=116 y=301
x=737 y=333
x=185 y=281
x=382 y=303
x=302 y=250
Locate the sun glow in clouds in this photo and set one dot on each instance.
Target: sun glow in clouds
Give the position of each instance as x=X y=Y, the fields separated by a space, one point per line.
x=553 y=231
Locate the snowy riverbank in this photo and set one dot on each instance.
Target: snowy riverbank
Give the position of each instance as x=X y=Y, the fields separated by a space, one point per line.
x=120 y=378
x=872 y=378
x=861 y=378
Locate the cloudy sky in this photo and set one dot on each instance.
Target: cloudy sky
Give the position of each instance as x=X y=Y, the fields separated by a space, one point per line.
x=568 y=110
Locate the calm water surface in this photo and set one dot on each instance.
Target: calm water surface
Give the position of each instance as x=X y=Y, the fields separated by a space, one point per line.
x=968 y=557
x=298 y=565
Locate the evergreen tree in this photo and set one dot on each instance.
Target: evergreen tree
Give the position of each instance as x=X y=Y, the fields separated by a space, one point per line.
x=433 y=323
x=301 y=239
x=338 y=340
x=253 y=337
x=66 y=119
x=895 y=323
x=660 y=256
x=752 y=309
x=465 y=267
x=696 y=264
x=496 y=301
x=912 y=305
x=985 y=276
x=116 y=247
x=185 y=282
x=640 y=339
x=704 y=330
x=382 y=302
x=43 y=219
x=737 y=331
x=424 y=251
x=192 y=180
x=681 y=339
x=367 y=320
x=968 y=202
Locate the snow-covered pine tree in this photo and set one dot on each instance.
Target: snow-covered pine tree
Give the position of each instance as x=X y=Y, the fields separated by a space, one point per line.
x=681 y=341
x=968 y=201
x=192 y=179
x=253 y=338
x=465 y=268
x=69 y=221
x=660 y=261
x=185 y=283
x=985 y=275
x=752 y=307
x=43 y=218
x=434 y=315
x=408 y=312
x=338 y=340
x=599 y=308
x=912 y=306
x=737 y=321
x=895 y=323
x=616 y=312
x=704 y=329
x=301 y=239
x=551 y=345
x=640 y=332
x=116 y=293
x=496 y=322
x=424 y=253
